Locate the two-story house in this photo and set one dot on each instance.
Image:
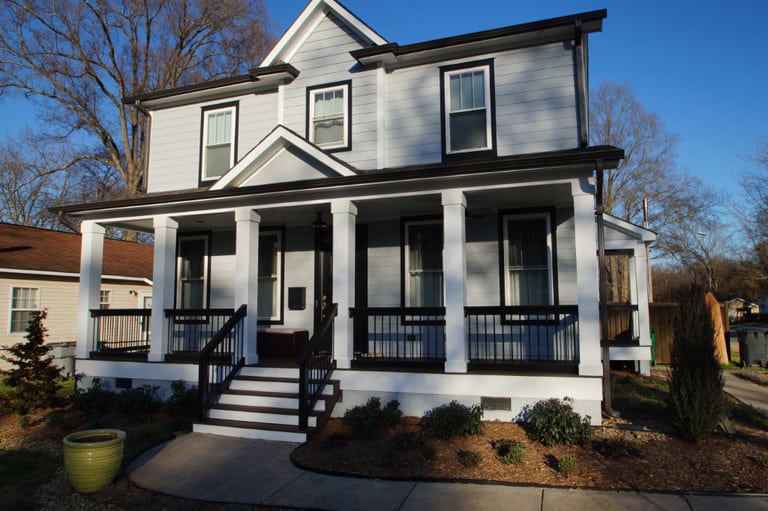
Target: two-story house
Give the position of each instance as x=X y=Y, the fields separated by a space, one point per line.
x=423 y=214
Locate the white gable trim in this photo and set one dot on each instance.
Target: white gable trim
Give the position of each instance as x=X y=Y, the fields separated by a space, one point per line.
x=306 y=23
x=279 y=139
x=630 y=229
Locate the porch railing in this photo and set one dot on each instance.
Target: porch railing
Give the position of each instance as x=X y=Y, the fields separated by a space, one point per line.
x=189 y=330
x=520 y=334
x=121 y=331
x=404 y=335
x=219 y=359
x=623 y=321
x=316 y=363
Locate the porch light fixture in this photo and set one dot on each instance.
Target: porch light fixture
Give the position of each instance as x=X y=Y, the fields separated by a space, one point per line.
x=319 y=223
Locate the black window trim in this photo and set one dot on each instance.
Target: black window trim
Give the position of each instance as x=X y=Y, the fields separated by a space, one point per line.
x=236 y=121
x=280 y=229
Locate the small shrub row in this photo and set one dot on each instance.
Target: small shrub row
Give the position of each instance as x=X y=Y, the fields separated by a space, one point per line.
x=139 y=401
x=365 y=420
x=553 y=421
x=453 y=419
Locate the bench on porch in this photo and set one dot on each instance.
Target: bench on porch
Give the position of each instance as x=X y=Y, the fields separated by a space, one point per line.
x=281 y=342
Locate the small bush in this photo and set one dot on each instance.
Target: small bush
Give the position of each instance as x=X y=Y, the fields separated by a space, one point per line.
x=553 y=421
x=183 y=401
x=509 y=451
x=140 y=401
x=93 y=399
x=470 y=458
x=428 y=449
x=406 y=441
x=567 y=464
x=365 y=420
x=453 y=419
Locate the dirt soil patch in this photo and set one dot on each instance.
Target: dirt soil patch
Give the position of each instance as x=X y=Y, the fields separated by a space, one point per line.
x=618 y=457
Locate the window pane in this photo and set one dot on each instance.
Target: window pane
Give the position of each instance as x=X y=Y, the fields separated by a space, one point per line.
x=219 y=127
x=192 y=255
x=328 y=117
x=478 y=89
x=330 y=131
x=269 y=278
x=425 y=265
x=217 y=160
x=192 y=294
x=527 y=261
x=468 y=130
x=455 y=87
x=267 y=305
x=528 y=287
x=20 y=320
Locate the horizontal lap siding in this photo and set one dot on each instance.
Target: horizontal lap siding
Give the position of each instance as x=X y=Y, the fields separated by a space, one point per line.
x=324 y=58
x=299 y=271
x=384 y=264
x=258 y=116
x=566 y=256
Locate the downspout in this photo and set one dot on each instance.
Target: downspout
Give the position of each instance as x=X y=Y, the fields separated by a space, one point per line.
x=603 y=294
x=582 y=84
x=144 y=145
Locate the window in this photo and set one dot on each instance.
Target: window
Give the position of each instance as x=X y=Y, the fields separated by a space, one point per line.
x=467 y=108
x=328 y=118
x=218 y=141
x=527 y=259
x=424 y=264
x=270 y=271
x=192 y=268
x=104 y=298
x=25 y=302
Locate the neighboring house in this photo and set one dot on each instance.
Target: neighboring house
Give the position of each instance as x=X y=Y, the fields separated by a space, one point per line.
x=739 y=308
x=40 y=270
x=442 y=194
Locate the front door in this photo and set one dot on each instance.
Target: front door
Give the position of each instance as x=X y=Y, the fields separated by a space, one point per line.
x=323 y=273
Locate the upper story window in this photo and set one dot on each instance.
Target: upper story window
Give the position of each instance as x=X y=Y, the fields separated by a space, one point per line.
x=219 y=135
x=25 y=303
x=528 y=259
x=468 y=113
x=192 y=276
x=423 y=264
x=328 y=123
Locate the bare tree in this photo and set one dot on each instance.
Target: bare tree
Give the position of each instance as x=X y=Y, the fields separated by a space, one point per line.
x=754 y=182
x=78 y=59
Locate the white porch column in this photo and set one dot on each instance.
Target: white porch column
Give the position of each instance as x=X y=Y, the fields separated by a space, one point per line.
x=640 y=275
x=163 y=285
x=247 y=280
x=344 y=215
x=585 y=229
x=454 y=236
x=91 y=257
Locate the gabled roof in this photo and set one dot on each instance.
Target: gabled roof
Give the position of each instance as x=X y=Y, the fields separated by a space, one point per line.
x=279 y=141
x=309 y=18
x=630 y=229
x=44 y=252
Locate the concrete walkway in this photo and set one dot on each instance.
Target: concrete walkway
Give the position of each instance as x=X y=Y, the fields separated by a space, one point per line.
x=746 y=391
x=241 y=471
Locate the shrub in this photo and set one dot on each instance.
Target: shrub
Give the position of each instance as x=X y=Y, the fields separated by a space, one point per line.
x=566 y=464
x=95 y=398
x=428 y=449
x=140 y=401
x=406 y=441
x=470 y=458
x=34 y=376
x=696 y=399
x=509 y=451
x=553 y=421
x=453 y=419
x=365 y=420
x=183 y=401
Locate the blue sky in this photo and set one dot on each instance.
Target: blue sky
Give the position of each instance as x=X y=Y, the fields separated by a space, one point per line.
x=700 y=65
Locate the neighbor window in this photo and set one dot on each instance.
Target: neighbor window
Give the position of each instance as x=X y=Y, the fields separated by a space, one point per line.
x=328 y=120
x=218 y=151
x=527 y=259
x=192 y=267
x=270 y=271
x=467 y=109
x=25 y=302
x=105 y=296
x=423 y=264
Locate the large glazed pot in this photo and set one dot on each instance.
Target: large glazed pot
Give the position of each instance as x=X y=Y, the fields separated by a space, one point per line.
x=92 y=458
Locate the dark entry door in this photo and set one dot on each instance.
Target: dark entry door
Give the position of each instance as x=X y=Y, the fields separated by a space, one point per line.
x=323 y=273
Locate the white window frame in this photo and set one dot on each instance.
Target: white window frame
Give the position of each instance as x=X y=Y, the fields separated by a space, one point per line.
x=207 y=113
x=345 y=101
x=505 y=264
x=278 y=276
x=447 y=108
x=105 y=304
x=13 y=309
x=407 y=261
x=206 y=262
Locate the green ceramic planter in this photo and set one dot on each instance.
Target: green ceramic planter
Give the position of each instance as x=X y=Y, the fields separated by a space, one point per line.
x=92 y=458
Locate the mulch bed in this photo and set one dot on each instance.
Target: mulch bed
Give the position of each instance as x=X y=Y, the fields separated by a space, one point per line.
x=618 y=457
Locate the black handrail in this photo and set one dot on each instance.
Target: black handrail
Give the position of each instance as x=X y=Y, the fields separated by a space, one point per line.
x=219 y=360
x=316 y=363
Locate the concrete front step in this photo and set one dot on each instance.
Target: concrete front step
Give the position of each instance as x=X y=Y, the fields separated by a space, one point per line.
x=250 y=430
x=260 y=415
x=265 y=384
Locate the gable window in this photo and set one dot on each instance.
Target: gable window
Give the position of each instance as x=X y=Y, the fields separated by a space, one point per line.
x=468 y=117
x=218 y=141
x=25 y=302
x=423 y=261
x=527 y=262
x=105 y=295
x=328 y=124
x=192 y=276
x=270 y=276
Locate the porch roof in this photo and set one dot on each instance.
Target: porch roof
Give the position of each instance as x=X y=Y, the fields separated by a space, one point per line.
x=575 y=159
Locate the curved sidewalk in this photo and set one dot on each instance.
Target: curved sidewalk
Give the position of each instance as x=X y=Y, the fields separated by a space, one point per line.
x=234 y=470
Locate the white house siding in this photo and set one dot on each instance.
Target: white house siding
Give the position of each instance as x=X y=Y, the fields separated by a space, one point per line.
x=257 y=117
x=482 y=282
x=384 y=264
x=299 y=271
x=566 y=256
x=324 y=58
x=60 y=299
x=222 y=272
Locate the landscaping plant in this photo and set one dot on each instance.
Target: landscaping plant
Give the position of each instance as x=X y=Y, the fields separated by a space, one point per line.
x=365 y=420
x=566 y=464
x=469 y=458
x=553 y=421
x=34 y=377
x=453 y=419
x=508 y=451
x=696 y=399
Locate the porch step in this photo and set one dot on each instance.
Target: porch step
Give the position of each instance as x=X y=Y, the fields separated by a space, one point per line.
x=264 y=403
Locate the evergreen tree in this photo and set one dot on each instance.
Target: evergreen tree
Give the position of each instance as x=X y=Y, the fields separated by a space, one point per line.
x=696 y=398
x=34 y=376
